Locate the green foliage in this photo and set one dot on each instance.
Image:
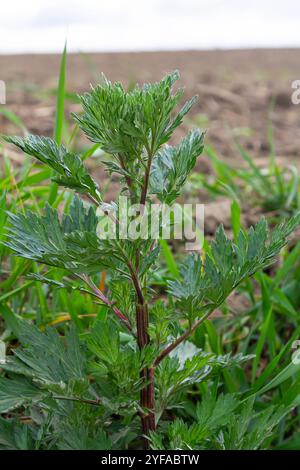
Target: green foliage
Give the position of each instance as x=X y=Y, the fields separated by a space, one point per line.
x=67 y=386
x=88 y=386
x=126 y=122
x=15 y=436
x=71 y=243
x=186 y=367
x=17 y=393
x=132 y=126
x=221 y=424
x=172 y=165
x=58 y=365
x=49 y=366
x=71 y=171
x=204 y=286
x=273 y=187
x=49 y=378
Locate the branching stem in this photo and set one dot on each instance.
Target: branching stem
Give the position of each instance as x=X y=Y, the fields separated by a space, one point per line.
x=165 y=352
x=97 y=292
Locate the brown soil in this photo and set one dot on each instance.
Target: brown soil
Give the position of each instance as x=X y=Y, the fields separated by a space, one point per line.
x=235 y=89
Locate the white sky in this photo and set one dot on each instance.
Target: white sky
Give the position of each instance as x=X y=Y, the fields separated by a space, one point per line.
x=118 y=25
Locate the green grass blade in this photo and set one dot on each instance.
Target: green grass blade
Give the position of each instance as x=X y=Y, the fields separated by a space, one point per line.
x=235 y=218
x=60 y=99
x=256 y=171
x=288 y=371
x=59 y=115
x=266 y=374
x=170 y=261
x=13 y=118
x=288 y=265
x=16 y=291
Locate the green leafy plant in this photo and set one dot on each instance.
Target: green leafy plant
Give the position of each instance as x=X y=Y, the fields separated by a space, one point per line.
x=134 y=363
x=274 y=188
x=222 y=423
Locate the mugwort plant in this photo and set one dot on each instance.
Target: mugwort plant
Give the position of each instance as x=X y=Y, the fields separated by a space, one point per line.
x=132 y=364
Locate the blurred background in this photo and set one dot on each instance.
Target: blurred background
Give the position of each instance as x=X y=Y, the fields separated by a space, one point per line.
x=139 y=25
x=239 y=57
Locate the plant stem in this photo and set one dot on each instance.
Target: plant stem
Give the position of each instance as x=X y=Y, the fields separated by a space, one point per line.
x=97 y=292
x=147 y=398
x=127 y=178
x=146 y=182
x=165 y=352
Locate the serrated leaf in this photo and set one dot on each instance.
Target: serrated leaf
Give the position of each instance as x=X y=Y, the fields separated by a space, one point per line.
x=57 y=363
x=227 y=265
x=172 y=165
x=71 y=171
x=16 y=393
x=149 y=260
x=126 y=122
x=70 y=243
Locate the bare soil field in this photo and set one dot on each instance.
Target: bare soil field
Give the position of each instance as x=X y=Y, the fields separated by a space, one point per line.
x=235 y=88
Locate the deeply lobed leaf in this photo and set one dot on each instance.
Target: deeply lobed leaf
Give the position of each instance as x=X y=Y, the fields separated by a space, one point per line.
x=127 y=122
x=70 y=243
x=172 y=165
x=71 y=171
x=205 y=286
